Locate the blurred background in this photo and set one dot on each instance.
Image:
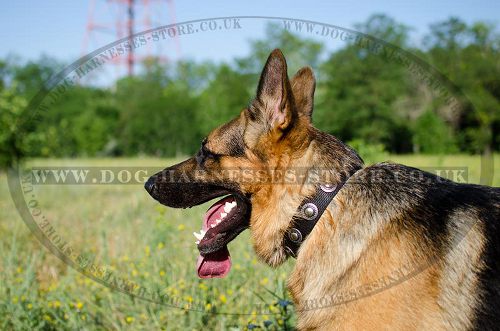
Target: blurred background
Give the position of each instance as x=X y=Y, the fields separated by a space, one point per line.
x=152 y=105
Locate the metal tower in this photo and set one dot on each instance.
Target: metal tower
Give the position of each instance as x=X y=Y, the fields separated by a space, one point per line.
x=110 y=20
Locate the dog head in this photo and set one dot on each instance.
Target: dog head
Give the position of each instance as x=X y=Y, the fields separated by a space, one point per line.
x=241 y=159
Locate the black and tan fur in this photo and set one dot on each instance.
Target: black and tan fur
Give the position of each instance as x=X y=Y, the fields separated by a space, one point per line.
x=385 y=217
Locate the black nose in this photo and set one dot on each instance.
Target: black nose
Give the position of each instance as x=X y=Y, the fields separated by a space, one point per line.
x=150 y=184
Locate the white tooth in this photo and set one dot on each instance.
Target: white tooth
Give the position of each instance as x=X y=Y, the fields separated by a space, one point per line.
x=198 y=236
x=218 y=221
x=228 y=207
x=233 y=204
x=203 y=233
x=212 y=225
x=197 y=242
x=223 y=215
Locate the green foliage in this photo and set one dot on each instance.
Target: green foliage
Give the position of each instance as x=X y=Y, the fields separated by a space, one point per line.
x=361 y=96
x=432 y=135
x=146 y=243
x=13 y=145
x=224 y=97
x=136 y=240
x=360 y=89
x=470 y=57
x=156 y=119
x=370 y=153
x=298 y=51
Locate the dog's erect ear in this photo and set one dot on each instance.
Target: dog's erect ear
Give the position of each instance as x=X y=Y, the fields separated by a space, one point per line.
x=303 y=86
x=273 y=92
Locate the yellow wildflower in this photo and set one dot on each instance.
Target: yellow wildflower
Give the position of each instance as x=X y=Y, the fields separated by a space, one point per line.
x=273 y=308
x=222 y=298
x=79 y=305
x=129 y=319
x=181 y=227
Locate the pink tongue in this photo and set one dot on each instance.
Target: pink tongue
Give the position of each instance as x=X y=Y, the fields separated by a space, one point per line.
x=216 y=264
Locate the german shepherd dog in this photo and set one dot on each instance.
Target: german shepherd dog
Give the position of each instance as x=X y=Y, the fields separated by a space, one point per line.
x=420 y=252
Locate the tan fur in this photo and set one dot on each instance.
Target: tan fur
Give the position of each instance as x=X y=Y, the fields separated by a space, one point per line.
x=351 y=250
x=329 y=264
x=367 y=264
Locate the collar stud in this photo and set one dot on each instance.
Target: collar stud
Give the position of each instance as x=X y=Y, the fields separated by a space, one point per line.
x=295 y=235
x=310 y=211
x=328 y=187
x=308 y=214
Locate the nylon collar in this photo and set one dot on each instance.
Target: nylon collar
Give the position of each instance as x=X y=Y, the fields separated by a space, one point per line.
x=308 y=214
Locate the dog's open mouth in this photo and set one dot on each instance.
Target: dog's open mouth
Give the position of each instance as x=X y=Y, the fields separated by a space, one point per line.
x=222 y=222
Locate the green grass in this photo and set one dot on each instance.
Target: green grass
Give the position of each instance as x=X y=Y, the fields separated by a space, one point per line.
x=137 y=239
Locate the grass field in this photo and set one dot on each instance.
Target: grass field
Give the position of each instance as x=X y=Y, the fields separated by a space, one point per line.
x=128 y=234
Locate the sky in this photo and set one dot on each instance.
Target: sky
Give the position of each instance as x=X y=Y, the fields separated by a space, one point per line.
x=57 y=28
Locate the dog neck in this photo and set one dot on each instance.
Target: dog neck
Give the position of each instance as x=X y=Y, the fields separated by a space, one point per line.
x=312 y=207
x=278 y=202
x=352 y=252
x=308 y=214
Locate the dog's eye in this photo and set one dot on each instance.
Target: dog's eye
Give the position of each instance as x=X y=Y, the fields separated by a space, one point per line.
x=204 y=153
x=207 y=153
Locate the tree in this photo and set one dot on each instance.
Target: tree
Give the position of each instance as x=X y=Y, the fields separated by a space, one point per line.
x=470 y=57
x=298 y=51
x=224 y=97
x=157 y=115
x=432 y=135
x=360 y=88
x=14 y=141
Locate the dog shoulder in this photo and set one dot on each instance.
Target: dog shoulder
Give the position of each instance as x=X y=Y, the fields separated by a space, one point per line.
x=457 y=222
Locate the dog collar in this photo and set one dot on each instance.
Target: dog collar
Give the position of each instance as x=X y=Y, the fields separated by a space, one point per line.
x=308 y=214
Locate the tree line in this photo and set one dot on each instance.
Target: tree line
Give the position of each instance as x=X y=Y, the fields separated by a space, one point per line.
x=361 y=97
